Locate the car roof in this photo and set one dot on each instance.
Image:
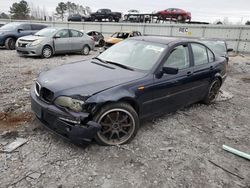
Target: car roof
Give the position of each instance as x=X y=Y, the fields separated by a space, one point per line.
x=161 y=39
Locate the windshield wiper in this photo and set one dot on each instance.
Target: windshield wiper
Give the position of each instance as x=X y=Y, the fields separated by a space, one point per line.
x=101 y=60
x=121 y=65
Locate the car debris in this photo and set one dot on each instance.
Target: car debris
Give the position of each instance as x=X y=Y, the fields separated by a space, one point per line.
x=14 y=145
x=224 y=96
x=236 y=152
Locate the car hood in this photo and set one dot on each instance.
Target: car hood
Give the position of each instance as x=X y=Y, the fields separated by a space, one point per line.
x=31 y=38
x=85 y=78
x=113 y=40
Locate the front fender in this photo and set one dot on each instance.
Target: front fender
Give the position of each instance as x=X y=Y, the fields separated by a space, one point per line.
x=111 y=95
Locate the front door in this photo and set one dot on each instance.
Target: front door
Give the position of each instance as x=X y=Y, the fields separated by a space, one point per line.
x=174 y=91
x=61 y=41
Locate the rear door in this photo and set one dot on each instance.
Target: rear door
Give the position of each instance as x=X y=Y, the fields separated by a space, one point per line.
x=62 y=41
x=204 y=68
x=76 y=40
x=173 y=91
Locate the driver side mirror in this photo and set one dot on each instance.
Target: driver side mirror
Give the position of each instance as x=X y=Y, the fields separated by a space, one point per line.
x=19 y=30
x=230 y=49
x=56 y=37
x=170 y=70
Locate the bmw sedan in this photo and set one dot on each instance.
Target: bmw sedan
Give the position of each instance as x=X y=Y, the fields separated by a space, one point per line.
x=106 y=98
x=50 y=41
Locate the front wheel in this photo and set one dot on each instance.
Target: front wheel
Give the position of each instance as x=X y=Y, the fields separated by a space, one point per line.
x=10 y=43
x=119 y=124
x=47 y=52
x=213 y=92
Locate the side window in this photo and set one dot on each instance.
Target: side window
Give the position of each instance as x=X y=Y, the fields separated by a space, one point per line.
x=200 y=54
x=25 y=27
x=63 y=33
x=75 y=33
x=211 y=57
x=179 y=58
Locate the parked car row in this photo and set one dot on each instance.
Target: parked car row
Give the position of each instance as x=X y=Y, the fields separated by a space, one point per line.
x=133 y=15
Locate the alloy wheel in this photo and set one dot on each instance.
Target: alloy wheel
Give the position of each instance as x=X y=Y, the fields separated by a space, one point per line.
x=118 y=126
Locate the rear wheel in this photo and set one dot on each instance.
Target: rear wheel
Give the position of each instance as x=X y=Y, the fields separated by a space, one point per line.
x=101 y=43
x=85 y=50
x=10 y=43
x=213 y=92
x=119 y=124
x=47 y=52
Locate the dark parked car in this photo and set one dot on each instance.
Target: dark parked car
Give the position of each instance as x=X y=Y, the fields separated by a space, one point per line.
x=174 y=14
x=75 y=18
x=106 y=97
x=106 y=14
x=10 y=32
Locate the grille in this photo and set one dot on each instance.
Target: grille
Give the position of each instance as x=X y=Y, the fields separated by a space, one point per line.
x=44 y=93
x=22 y=44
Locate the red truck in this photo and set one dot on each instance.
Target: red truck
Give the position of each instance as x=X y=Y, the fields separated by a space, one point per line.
x=174 y=14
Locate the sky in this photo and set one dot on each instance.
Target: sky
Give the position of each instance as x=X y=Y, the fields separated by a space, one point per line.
x=202 y=10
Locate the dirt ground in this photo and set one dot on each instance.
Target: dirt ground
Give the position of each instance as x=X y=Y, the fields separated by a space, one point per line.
x=175 y=150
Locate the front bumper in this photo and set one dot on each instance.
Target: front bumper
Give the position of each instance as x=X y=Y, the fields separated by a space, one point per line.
x=29 y=51
x=68 y=125
x=2 y=40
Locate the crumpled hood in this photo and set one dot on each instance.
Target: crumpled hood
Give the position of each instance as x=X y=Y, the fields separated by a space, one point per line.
x=113 y=40
x=85 y=78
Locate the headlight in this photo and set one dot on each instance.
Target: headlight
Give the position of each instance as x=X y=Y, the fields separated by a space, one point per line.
x=73 y=104
x=36 y=42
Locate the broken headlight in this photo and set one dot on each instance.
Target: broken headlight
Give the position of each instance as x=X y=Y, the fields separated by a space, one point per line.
x=72 y=104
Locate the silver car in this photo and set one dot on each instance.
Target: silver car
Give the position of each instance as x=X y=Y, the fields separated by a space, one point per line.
x=50 y=41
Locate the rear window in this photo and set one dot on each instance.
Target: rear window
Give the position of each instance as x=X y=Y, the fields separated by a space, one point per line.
x=218 y=47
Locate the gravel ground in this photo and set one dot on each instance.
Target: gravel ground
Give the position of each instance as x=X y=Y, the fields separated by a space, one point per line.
x=175 y=150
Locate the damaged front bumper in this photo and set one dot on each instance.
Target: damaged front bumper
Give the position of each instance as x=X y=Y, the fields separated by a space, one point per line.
x=75 y=128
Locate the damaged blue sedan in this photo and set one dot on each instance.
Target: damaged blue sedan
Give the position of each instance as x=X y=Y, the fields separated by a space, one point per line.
x=106 y=98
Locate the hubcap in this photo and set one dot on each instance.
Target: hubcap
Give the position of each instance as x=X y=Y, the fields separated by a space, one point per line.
x=214 y=91
x=118 y=126
x=47 y=52
x=86 y=50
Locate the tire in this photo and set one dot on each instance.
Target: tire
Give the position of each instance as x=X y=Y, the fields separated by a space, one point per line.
x=119 y=122
x=213 y=92
x=47 y=52
x=180 y=18
x=101 y=43
x=110 y=19
x=85 y=50
x=10 y=43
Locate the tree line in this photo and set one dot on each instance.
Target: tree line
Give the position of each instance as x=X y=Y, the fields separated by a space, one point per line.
x=23 y=10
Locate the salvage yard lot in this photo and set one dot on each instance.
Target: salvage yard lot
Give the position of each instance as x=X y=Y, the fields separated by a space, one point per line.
x=174 y=150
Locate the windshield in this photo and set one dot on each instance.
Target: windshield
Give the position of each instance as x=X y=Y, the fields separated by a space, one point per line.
x=135 y=54
x=47 y=32
x=219 y=47
x=10 y=26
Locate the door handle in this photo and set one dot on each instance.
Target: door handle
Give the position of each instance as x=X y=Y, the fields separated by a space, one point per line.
x=211 y=67
x=189 y=73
